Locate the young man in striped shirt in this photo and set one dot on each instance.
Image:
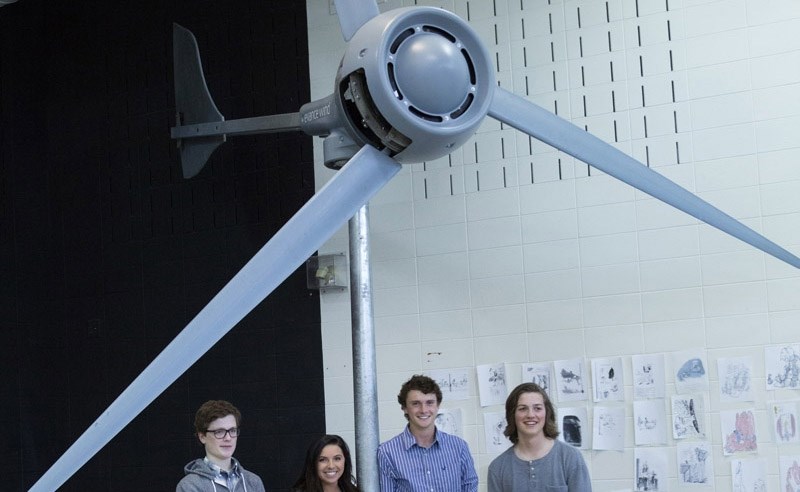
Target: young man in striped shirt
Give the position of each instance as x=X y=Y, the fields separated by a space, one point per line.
x=423 y=458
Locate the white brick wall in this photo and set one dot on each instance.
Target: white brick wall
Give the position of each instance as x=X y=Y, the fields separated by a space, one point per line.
x=506 y=251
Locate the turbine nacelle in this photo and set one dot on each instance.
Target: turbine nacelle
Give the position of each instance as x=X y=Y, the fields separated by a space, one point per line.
x=414 y=82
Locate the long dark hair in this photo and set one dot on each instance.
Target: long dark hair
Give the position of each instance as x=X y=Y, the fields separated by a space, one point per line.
x=309 y=478
x=550 y=426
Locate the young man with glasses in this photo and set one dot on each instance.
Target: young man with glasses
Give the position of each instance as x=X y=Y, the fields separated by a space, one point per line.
x=217 y=426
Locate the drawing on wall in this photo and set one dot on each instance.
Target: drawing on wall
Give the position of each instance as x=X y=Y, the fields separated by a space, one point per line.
x=573 y=423
x=649 y=422
x=607 y=379
x=694 y=463
x=749 y=475
x=541 y=374
x=492 y=384
x=570 y=379
x=784 y=422
x=449 y=420
x=648 y=376
x=782 y=364
x=735 y=378
x=494 y=424
x=608 y=431
x=789 y=478
x=688 y=416
x=690 y=372
x=454 y=383
x=738 y=431
x=650 y=465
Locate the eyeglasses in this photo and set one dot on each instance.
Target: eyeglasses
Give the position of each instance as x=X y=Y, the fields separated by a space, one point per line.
x=220 y=433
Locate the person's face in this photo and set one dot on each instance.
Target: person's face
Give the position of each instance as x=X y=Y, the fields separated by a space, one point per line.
x=530 y=415
x=330 y=464
x=219 y=450
x=421 y=409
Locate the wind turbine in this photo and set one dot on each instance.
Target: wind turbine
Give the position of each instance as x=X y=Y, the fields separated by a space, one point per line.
x=413 y=85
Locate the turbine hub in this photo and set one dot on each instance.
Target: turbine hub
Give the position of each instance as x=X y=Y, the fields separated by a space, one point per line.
x=415 y=82
x=431 y=73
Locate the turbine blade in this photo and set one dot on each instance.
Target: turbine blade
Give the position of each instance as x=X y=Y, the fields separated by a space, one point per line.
x=303 y=234
x=354 y=14
x=563 y=135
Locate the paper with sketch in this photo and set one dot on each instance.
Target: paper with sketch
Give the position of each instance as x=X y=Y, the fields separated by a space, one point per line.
x=738 y=431
x=454 y=383
x=690 y=371
x=607 y=379
x=650 y=469
x=694 y=464
x=494 y=424
x=541 y=374
x=571 y=383
x=492 y=384
x=735 y=378
x=782 y=364
x=789 y=478
x=574 y=427
x=649 y=376
x=650 y=422
x=688 y=416
x=449 y=420
x=608 y=431
x=749 y=474
x=785 y=419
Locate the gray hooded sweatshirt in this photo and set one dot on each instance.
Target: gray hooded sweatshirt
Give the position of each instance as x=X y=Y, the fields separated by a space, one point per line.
x=200 y=478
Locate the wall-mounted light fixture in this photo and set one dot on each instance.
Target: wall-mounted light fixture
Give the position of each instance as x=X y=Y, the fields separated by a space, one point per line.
x=327 y=271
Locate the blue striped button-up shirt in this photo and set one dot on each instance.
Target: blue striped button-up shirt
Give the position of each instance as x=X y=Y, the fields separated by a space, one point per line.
x=446 y=466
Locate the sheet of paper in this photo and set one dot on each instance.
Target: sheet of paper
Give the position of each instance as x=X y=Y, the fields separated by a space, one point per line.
x=650 y=422
x=608 y=431
x=449 y=420
x=738 y=431
x=688 y=416
x=690 y=371
x=494 y=424
x=650 y=469
x=492 y=384
x=571 y=383
x=574 y=427
x=607 y=379
x=454 y=383
x=735 y=378
x=695 y=468
x=541 y=374
x=649 y=376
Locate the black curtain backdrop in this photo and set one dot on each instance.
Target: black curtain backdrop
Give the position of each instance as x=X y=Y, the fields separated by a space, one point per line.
x=107 y=252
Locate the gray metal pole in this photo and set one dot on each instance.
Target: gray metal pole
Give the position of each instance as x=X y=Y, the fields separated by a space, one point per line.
x=365 y=386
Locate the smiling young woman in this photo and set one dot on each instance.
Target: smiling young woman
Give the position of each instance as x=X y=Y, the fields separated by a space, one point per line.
x=327 y=468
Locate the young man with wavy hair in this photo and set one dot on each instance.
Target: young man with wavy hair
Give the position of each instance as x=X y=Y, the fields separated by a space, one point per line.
x=537 y=460
x=422 y=457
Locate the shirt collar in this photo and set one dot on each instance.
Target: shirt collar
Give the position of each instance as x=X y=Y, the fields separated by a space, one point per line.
x=218 y=471
x=410 y=441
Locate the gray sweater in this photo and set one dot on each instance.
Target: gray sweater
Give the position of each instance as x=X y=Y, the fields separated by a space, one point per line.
x=560 y=470
x=200 y=478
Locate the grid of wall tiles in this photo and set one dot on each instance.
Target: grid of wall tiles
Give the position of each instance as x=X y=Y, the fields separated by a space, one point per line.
x=509 y=251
